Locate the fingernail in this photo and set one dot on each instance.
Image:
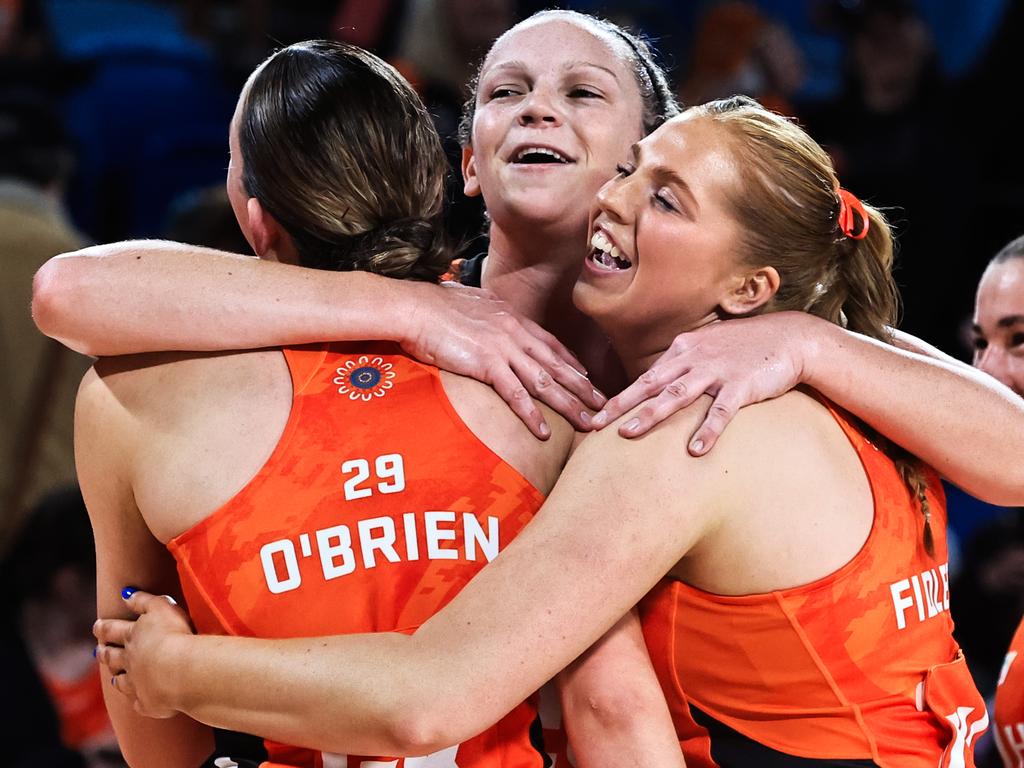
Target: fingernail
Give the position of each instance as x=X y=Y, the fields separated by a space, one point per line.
x=584 y=418
x=600 y=419
x=127 y=592
x=172 y=601
x=95 y=649
x=113 y=680
x=697 y=446
x=599 y=395
x=631 y=425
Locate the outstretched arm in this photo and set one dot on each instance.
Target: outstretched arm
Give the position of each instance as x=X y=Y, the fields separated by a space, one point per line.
x=613 y=705
x=956 y=418
x=599 y=544
x=146 y=296
x=126 y=553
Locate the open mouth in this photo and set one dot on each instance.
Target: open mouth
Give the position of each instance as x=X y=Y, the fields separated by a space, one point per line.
x=606 y=254
x=539 y=156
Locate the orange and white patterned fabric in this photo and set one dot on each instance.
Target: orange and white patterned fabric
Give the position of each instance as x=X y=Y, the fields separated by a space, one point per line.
x=857 y=668
x=376 y=508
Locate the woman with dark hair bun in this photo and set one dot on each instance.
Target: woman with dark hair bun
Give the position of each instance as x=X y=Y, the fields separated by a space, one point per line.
x=579 y=91
x=793 y=584
x=331 y=488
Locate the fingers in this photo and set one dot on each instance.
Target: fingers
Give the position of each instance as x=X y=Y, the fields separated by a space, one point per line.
x=122 y=683
x=543 y=386
x=557 y=348
x=511 y=390
x=139 y=601
x=114 y=657
x=112 y=631
x=718 y=417
x=674 y=397
x=567 y=377
x=660 y=379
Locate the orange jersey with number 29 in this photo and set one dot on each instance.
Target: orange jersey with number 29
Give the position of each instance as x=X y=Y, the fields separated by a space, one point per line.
x=376 y=507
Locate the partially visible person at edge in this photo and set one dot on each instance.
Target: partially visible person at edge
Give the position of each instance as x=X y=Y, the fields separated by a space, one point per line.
x=825 y=640
x=267 y=537
x=548 y=122
x=998 y=330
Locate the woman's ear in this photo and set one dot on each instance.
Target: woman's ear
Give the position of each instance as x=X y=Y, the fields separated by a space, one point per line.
x=266 y=232
x=470 y=183
x=751 y=291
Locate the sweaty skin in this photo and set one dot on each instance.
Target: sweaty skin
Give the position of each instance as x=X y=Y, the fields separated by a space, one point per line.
x=613 y=526
x=136 y=297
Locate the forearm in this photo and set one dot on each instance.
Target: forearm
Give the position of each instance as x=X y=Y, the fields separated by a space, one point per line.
x=179 y=742
x=339 y=694
x=613 y=705
x=143 y=296
x=959 y=420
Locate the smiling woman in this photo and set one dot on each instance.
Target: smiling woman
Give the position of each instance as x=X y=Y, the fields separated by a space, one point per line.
x=998 y=326
x=313 y=477
x=558 y=101
x=772 y=641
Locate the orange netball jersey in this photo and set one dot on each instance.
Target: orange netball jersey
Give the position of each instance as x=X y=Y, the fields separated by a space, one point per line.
x=376 y=507
x=1009 y=710
x=857 y=668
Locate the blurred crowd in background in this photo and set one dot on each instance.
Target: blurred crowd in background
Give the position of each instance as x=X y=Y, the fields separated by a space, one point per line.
x=113 y=125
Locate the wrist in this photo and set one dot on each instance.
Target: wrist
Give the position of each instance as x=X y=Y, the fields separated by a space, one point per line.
x=405 y=301
x=171 y=668
x=814 y=335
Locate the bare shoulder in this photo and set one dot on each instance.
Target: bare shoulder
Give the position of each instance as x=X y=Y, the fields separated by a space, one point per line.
x=786 y=448
x=491 y=420
x=794 y=429
x=162 y=382
x=794 y=424
x=654 y=466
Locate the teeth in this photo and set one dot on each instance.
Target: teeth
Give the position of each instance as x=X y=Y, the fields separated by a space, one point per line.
x=541 y=151
x=606 y=254
x=600 y=242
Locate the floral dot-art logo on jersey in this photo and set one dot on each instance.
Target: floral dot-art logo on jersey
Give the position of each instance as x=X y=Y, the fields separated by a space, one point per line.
x=364 y=378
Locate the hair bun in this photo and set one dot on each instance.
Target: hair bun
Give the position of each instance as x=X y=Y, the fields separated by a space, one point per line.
x=417 y=249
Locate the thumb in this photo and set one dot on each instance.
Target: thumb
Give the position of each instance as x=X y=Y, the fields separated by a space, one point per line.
x=137 y=600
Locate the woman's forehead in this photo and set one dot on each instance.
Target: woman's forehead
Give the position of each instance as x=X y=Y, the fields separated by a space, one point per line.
x=558 y=41
x=1003 y=281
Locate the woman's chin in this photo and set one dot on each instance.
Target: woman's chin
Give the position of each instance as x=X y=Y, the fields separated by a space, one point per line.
x=593 y=302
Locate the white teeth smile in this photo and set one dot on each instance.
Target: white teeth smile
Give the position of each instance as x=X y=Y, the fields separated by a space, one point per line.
x=606 y=254
x=540 y=151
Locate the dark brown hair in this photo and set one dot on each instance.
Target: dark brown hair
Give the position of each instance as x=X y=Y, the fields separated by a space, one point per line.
x=788 y=206
x=339 y=149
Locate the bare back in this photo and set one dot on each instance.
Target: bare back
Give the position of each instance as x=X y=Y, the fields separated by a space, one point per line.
x=202 y=425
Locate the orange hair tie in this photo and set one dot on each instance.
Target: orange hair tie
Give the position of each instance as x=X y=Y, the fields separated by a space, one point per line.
x=848 y=203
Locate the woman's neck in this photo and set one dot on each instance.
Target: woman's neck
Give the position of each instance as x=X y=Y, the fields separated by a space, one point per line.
x=536 y=276
x=638 y=351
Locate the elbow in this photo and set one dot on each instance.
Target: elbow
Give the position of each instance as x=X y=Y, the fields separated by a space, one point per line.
x=427 y=730
x=1012 y=494
x=1004 y=488
x=403 y=728
x=53 y=297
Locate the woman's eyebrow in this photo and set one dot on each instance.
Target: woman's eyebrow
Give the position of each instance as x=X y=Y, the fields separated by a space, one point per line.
x=591 y=65
x=512 y=64
x=666 y=175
